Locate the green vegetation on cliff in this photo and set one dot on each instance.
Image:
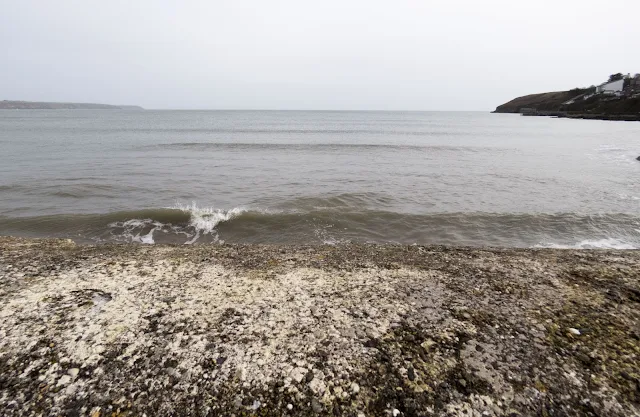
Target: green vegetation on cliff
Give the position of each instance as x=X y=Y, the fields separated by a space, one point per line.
x=543 y=101
x=619 y=96
x=552 y=102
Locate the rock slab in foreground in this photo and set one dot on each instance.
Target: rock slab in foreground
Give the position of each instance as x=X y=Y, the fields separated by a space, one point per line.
x=331 y=330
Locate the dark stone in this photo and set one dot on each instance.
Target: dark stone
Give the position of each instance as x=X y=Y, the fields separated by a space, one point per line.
x=584 y=358
x=627 y=376
x=309 y=377
x=221 y=360
x=170 y=363
x=638 y=158
x=411 y=374
x=372 y=343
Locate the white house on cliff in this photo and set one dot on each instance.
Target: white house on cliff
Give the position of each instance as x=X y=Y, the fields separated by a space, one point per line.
x=612 y=88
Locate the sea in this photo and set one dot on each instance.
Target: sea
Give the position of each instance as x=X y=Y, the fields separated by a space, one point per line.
x=319 y=177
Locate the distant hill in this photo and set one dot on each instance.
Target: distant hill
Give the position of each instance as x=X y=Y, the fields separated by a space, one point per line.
x=543 y=101
x=40 y=105
x=577 y=102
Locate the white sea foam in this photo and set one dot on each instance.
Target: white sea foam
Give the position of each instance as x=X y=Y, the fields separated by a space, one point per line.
x=133 y=228
x=204 y=220
x=609 y=243
x=324 y=234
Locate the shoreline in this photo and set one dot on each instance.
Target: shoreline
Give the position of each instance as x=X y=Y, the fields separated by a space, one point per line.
x=317 y=330
x=583 y=116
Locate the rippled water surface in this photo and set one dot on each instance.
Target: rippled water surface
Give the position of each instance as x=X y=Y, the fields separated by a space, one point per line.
x=319 y=177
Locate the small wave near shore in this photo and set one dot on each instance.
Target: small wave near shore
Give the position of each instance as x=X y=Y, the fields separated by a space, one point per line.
x=333 y=221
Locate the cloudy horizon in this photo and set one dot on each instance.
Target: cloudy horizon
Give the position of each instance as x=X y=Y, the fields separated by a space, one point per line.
x=404 y=55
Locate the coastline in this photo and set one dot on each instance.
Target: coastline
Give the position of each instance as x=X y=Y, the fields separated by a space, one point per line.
x=579 y=103
x=50 y=105
x=317 y=330
x=583 y=116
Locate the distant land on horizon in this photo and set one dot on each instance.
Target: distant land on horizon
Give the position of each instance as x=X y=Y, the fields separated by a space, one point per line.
x=44 y=105
x=616 y=99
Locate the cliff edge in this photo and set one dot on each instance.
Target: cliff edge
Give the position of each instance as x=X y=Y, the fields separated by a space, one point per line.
x=543 y=101
x=555 y=102
x=616 y=99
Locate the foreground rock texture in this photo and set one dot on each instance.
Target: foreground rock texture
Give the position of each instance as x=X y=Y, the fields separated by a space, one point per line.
x=327 y=330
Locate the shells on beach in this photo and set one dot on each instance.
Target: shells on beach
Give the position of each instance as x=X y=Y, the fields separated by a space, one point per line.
x=134 y=326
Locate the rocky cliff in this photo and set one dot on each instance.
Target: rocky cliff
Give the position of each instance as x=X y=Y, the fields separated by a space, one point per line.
x=600 y=105
x=543 y=101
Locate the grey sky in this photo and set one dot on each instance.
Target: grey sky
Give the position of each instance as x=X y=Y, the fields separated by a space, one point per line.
x=358 y=54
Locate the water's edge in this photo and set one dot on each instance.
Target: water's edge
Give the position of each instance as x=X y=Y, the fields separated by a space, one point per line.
x=333 y=225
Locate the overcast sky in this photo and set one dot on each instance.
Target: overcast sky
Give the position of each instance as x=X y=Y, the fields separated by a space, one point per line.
x=325 y=54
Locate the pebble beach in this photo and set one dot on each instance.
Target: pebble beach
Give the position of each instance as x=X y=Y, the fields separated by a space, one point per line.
x=355 y=330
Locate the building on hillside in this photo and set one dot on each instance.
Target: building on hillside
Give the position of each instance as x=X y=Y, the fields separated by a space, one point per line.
x=612 y=88
x=634 y=84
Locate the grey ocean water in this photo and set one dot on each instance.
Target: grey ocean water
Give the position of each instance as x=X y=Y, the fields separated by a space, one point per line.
x=319 y=177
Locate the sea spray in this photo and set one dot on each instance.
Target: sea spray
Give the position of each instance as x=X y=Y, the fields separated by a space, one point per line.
x=137 y=230
x=606 y=243
x=200 y=221
x=203 y=221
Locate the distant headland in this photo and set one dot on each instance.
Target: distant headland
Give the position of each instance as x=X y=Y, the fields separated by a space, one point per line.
x=616 y=99
x=41 y=105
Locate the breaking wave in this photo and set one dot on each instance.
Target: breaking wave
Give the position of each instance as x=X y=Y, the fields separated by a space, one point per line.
x=198 y=222
x=334 y=221
x=608 y=243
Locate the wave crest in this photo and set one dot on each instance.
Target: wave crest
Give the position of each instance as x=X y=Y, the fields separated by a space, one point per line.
x=198 y=222
x=335 y=221
x=204 y=220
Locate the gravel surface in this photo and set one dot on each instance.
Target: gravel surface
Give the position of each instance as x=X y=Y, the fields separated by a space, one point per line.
x=356 y=330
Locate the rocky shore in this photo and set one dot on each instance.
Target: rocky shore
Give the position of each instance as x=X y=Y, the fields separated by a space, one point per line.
x=586 y=116
x=356 y=330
